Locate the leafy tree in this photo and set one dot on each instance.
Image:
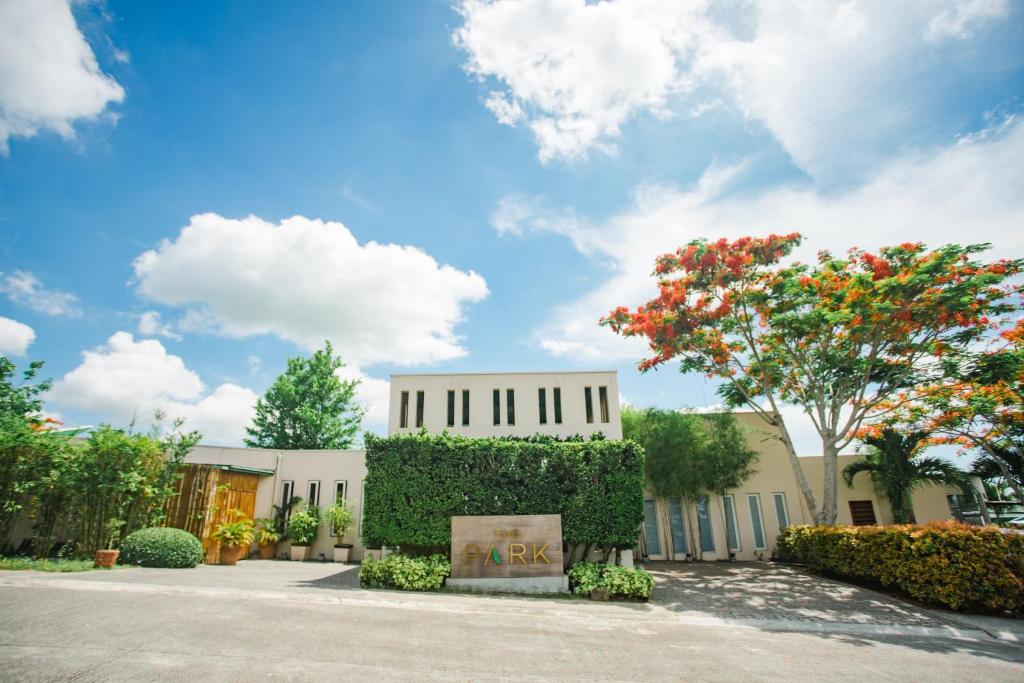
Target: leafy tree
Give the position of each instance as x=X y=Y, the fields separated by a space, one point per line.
x=893 y=463
x=688 y=455
x=24 y=399
x=308 y=407
x=1010 y=462
x=838 y=339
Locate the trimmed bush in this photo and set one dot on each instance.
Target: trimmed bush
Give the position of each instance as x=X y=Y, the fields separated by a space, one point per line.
x=405 y=573
x=620 y=582
x=967 y=568
x=415 y=483
x=161 y=547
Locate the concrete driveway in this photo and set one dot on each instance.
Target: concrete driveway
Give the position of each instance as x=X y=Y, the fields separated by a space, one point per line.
x=308 y=621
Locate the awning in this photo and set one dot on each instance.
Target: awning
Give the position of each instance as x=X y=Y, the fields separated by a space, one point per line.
x=262 y=471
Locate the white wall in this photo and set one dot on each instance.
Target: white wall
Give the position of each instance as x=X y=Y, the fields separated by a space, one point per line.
x=527 y=410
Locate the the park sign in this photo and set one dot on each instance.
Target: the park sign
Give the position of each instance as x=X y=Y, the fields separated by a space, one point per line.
x=520 y=553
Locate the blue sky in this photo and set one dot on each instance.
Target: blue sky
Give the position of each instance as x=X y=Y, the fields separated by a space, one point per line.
x=190 y=193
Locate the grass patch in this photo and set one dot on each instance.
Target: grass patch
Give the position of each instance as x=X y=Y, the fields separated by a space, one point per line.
x=46 y=565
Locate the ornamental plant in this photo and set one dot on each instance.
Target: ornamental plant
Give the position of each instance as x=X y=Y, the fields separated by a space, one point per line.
x=339 y=516
x=405 y=573
x=266 y=531
x=838 y=338
x=620 y=582
x=161 y=547
x=303 y=526
x=237 y=533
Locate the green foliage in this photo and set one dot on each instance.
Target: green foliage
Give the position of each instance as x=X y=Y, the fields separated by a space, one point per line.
x=304 y=525
x=339 y=516
x=620 y=582
x=266 y=531
x=416 y=482
x=239 y=532
x=405 y=573
x=689 y=455
x=895 y=468
x=968 y=568
x=46 y=565
x=161 y=547
x=308 y=407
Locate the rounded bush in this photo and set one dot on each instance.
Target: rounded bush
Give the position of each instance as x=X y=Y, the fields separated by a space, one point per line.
x=161 y=547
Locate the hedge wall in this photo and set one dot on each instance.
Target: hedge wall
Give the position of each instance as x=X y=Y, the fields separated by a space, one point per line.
x=416 y=482
x=969 y=568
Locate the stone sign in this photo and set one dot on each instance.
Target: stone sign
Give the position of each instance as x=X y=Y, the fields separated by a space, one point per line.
x=513 y=552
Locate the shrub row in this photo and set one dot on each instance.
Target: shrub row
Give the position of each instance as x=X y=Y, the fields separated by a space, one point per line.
x=620 y=582
x=415 y=483
x=161 y=547
x=405 y=573
x=977 y=569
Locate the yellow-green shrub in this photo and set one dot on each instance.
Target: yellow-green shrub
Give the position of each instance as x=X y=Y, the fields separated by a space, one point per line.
x=969 y=568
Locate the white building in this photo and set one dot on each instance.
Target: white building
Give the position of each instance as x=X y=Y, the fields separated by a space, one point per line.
x=506 y=404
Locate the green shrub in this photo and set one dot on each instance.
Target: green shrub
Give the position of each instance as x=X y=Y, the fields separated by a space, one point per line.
x=620 y=582
x=968 y=568
x=303 y=526
x=405 y=573
x=161 y=547
x=415 y=483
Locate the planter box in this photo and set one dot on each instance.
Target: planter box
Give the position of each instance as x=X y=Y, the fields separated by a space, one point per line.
x=299 y=553
x=341 y=552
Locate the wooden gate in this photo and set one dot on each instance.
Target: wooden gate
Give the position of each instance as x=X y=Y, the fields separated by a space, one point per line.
x=207 y=497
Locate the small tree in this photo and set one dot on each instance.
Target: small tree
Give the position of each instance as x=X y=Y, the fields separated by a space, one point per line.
x=837 y=339
x=896 y=468
x=687 y=455
x=308 y=407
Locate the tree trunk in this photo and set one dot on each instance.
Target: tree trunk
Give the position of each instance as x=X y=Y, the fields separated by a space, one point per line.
x=830 y=455
x=801 y=480
x=1004 y=469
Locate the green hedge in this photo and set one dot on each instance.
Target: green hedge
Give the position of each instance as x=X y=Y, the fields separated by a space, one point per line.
x=620 y=582
x=404 y=572
x=969 y=568
x=161 y=547
x=415 y=483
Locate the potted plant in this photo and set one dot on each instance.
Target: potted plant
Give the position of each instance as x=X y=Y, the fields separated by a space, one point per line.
x=235 y=538
x=267 y=537
x=107 y=557
x=302 y=529
x=340 y=516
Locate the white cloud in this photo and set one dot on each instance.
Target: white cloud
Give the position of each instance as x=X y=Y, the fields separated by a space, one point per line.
x=969 y=191
x=15 y=337
x=25 y=289
x=49 y=77
x=305 y=281
x=125 y=379
x=372 y=394
x=835 y=83
x=150 y=325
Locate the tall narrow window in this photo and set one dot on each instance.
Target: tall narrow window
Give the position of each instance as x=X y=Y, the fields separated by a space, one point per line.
x=602 y=398
x=732 y=533
x=588 y=398
x=510 y=400
x=313 y=493
x=557 y=394
x=465 y=407
x=781 y=513
x=403 y=411
x=287 y=492
x=451 y=408
x=677 y=520
x=542 y=405
x=651 y=527
x=707 y=534
x=419 y=409
x=497 y=406
x=340 y=496
x=754 y=501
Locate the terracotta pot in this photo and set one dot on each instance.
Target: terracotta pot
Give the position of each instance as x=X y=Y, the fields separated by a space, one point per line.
x=299 y=552
x=229 y=554
x=341 y=552
x=106 y=558
x=267 y=551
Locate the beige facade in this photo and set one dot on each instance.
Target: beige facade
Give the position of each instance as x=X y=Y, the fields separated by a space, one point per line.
x=506 y=404
x=767 y=502
x=323 y=476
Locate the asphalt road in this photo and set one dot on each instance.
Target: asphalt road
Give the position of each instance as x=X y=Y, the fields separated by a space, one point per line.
x=152 y=625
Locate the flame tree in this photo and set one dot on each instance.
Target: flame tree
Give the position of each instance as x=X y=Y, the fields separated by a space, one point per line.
x=839 y=339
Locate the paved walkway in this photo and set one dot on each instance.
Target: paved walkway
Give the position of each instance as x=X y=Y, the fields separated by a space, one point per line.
x=308 y=621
